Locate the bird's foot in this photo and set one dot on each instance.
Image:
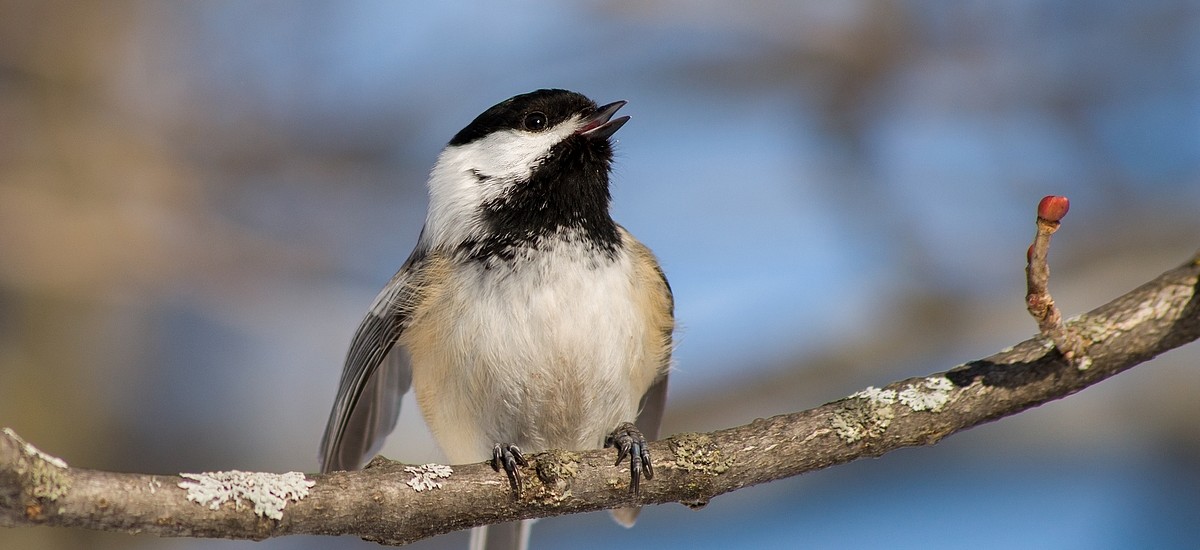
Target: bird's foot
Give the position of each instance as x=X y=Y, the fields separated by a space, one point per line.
x=630 y=442
x=509 y=456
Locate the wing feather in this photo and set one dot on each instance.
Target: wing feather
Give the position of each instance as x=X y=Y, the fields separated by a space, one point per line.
x=376 y=376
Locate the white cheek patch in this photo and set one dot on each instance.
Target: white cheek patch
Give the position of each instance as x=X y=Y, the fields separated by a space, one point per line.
x=512 y=154
x=468 y=176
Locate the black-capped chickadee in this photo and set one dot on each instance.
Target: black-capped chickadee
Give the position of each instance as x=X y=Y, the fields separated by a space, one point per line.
x=527 y=318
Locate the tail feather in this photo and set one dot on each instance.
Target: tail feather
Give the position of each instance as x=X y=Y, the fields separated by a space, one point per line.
x=503 y=536
x=626 y=516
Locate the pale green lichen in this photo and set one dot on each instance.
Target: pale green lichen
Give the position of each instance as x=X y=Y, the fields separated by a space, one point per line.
x=46 y=473
x=426 y=476
x=867 y=413
x=269 y=493
x=556 y=469
x=876 y=395
x=698 y=452
x=557 y=466
x=930 y=395
x=845 y=427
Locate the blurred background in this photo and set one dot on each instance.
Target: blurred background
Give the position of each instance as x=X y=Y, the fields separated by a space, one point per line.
x=198 y=201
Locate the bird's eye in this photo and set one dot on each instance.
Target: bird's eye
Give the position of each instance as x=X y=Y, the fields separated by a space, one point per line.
x=535 y=121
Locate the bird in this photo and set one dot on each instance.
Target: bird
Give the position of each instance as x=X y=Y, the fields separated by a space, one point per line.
x=525 y=319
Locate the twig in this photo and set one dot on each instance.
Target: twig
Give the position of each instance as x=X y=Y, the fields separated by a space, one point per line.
x=1051 y=211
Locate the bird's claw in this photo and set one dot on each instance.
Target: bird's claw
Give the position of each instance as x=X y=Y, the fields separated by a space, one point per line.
x=509 y=457
x=630 y=442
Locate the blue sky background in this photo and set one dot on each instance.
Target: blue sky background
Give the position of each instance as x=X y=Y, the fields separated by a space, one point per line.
x=199 y=200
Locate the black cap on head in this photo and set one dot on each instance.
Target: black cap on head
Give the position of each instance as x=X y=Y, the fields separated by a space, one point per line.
x=520 y=112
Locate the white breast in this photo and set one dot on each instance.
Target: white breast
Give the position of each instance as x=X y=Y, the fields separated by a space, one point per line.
x=548 y=353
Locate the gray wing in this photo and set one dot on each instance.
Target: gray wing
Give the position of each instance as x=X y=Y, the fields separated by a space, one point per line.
x=376 y=376
x=653 y=404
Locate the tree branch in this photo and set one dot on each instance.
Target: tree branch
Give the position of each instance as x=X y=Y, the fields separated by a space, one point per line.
x=394 y=504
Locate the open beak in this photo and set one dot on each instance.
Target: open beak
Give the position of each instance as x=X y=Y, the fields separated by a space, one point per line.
x=602 y=124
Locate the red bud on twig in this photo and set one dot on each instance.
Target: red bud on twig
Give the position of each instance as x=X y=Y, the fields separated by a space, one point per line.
x=1053 y=208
